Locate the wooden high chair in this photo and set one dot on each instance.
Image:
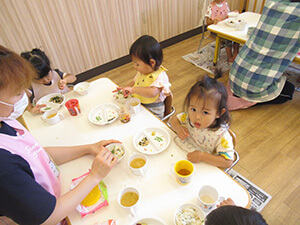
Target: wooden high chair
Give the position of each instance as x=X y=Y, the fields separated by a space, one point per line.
x=236 y=155
x=169 y=108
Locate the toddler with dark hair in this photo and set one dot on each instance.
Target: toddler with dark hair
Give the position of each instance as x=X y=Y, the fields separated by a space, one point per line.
x=151 y=84
x=206 y=123
x=48 y=81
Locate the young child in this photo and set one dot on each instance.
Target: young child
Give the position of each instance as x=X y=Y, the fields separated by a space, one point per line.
x=216 y=12
x=206 y=123
x=151 y=84
x=49 y=81
x=228 y=213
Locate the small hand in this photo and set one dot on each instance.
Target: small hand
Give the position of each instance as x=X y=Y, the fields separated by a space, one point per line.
x=182 y=132
x=37 y=108
x=62 y=84
x=127 y=91
x=227 y=201
x=195 y=156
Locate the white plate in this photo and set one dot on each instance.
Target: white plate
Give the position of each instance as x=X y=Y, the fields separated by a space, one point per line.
x=50 y=105
x=158 y=138
x=82 y=88
x=199 y=212
x=149 y=221
x=232 y=22
x=104 y=114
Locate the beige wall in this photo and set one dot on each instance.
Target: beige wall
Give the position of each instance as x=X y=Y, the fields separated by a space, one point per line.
x=78 y=35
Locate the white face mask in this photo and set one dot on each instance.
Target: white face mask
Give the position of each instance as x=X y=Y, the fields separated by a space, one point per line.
x=19 y=108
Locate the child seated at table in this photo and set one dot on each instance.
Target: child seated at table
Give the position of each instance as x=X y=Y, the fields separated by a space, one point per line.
x=205 y=123
x=216 y=12
x=227 y=213
x=48 y=81
x=151 y=84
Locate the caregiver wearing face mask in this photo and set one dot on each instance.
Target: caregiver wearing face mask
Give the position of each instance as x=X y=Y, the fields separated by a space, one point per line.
x=29 y=179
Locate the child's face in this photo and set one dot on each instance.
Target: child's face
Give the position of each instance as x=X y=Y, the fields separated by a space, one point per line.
x=46 y=79
x=142 y=67
x=202 y=116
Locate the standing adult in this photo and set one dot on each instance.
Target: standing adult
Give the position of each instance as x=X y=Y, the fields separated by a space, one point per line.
x=256 y=75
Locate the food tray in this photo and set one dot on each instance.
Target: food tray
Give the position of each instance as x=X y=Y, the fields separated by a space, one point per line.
x=157 y=140
x=104 y=114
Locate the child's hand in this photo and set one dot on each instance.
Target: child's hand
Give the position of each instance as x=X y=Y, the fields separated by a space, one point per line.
x=37 y=108
x=195 y=156
x=182 y=132
x=216 y=21
x=127 y=91
x=62 y=84
x=227 y=201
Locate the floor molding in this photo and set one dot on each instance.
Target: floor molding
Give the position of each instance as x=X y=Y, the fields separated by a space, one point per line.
x=126 y=59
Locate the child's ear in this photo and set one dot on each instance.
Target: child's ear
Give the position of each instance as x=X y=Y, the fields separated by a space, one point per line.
x=222 y=112
x=152 y=63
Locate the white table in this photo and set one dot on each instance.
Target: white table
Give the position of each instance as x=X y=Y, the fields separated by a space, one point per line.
x=224 y=31
x=161 y=195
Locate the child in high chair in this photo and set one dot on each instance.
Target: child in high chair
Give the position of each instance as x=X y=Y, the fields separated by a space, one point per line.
x=205 y=122
x=49 y=81
x=151 y=84
x=216 y=12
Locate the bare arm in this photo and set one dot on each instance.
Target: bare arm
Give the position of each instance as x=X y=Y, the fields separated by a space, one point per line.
x=68 y=78
x=215 y=160
x=102 y=164
x=181 y=131
x=61 y=155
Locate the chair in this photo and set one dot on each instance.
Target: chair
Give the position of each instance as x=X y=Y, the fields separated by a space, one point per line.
x=236 y=155
x=169 y=108
x=203 y=29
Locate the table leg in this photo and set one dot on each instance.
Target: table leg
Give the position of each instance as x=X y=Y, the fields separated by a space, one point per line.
x=217 y=49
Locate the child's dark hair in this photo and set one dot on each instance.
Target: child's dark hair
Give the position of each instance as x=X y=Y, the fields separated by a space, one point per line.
x=210 y=88
x=145 y=48
x=39 y=60
x=234 y=215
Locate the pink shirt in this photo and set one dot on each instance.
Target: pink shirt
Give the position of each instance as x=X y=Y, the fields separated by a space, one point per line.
x=24 y=144
x=40 y=90
x=217 y=11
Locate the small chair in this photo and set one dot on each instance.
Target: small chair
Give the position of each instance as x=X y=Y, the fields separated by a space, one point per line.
x=236 y=155
x=203 y=29
x=169 y=108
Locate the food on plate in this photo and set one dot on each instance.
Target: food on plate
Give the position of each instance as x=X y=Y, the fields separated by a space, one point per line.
x=92 y=197
x=120 y=96
x=188 y=215
x=111 y=115
x=118 y=151
x=56 y=99
x=153 y=133
x=47 y=108
x=144 y=141
x=141 y=224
